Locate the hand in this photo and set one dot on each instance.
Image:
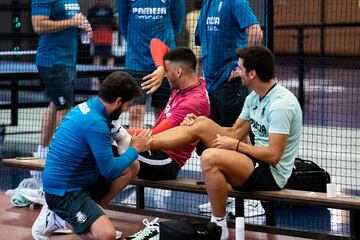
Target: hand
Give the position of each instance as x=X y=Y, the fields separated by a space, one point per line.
x=224 y=142
x=189 y=120
x=153 y=80
x=142 y=141
x=78 y=20
x=233 y=74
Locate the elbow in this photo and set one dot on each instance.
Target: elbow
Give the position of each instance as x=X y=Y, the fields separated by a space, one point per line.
x=38 y=30
x=274 y=159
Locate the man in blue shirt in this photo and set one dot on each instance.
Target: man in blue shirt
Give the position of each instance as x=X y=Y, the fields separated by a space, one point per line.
x=81 y=174
x=140 y=21
x=57 y=23
x=224 y=26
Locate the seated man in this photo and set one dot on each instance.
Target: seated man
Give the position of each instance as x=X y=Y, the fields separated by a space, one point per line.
x=81 y=174
x=189 y=95
x=272 y=113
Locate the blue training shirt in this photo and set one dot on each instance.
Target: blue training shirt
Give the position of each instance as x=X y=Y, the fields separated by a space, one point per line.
x=58 y=48
x=142 y=20
x=221 y=30
x=81 y=150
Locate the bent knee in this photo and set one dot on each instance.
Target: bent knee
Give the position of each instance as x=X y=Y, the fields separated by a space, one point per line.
x=135 y=168
x=208 y=158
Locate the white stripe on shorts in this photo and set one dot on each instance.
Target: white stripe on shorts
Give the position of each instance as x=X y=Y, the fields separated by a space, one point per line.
x=154 y=162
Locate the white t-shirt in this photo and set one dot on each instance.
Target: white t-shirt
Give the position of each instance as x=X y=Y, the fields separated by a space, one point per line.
x=278 y=112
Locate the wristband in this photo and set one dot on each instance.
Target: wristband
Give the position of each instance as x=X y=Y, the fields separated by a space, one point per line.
x=237 y=147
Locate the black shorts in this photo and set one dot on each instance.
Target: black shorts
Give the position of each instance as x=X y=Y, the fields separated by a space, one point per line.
x=159 y=98
x=59 y=84
x=80 y=208
x=158 y=166
x=227 y=102
x=103 y=51
x=261 y=179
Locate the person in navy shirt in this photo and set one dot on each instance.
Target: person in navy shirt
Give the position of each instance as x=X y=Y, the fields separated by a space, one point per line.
x=140 y=21
x=81 y=173
x=57 y=23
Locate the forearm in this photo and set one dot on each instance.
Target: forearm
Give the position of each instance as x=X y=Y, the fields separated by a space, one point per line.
x=264 y=154
x=254 y=35
x=50 y=26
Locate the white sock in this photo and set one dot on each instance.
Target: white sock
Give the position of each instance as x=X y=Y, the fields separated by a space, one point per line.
x=221 y=222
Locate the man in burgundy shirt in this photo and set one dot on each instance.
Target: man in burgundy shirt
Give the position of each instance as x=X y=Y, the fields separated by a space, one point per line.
x=189 y=95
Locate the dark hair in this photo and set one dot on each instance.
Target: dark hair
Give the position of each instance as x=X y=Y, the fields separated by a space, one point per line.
x=119 y=84
x=260 y=59
x=182 y=54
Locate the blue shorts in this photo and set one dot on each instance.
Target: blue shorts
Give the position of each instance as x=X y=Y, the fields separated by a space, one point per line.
x=59 y=84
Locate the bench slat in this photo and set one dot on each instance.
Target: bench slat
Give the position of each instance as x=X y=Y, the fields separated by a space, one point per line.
x=191 y=185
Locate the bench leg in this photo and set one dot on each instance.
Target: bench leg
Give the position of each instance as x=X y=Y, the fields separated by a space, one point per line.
x=140 y=197
x=270 y=214
x=354 y=224
x=239 y=207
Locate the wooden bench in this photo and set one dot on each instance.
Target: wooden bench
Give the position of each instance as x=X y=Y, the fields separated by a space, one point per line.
x=294 y=197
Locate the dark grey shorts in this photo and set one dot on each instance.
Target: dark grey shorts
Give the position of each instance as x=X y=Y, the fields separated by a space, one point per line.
x=260 y=180
x=59 y=84
x=79 y=208
x=158 y=166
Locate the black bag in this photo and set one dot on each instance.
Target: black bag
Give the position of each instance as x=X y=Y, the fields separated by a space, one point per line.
x=308 y=176
x=189 y=229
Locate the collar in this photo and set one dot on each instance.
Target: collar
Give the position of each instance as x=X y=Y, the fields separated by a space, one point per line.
x=260 y=99
x=190 y=88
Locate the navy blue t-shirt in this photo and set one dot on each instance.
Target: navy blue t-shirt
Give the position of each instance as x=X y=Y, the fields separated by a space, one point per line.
x=58 y=48
x=221 y=30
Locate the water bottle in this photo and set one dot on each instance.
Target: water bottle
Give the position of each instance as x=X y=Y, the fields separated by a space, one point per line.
x=239 y=228
x=85 y=38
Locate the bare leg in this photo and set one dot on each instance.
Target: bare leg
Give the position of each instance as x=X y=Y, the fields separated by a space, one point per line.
x=136 y=115
x=220 y=167
x=110 y=62
x=102 y=228
x=204 y=129
x=48 y=124
x=120 y=183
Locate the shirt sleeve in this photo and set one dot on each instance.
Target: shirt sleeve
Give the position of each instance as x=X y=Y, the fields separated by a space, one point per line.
x=109 y=166
x=245 y=112
x=280 y=120
x=123 y=12
x=158 y=49
x=242 y=12
x=178 y=15
x=40 y=8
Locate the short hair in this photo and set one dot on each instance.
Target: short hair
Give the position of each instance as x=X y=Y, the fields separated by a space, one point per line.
x=182 y=54
x=119 y=84
x=260 y=59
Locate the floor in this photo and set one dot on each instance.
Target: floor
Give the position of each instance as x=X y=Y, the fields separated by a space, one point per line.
x=15 y=223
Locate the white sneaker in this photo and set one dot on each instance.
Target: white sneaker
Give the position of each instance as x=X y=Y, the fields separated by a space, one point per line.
x=150 y=232
x=47 y=223
x=252 y=208
x=33 y=195
x=206 y=207
x=118 y=235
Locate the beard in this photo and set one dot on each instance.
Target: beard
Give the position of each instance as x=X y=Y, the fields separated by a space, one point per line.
x=116 y=114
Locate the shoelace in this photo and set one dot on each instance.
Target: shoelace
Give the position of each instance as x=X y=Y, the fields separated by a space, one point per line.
x=151 y=226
